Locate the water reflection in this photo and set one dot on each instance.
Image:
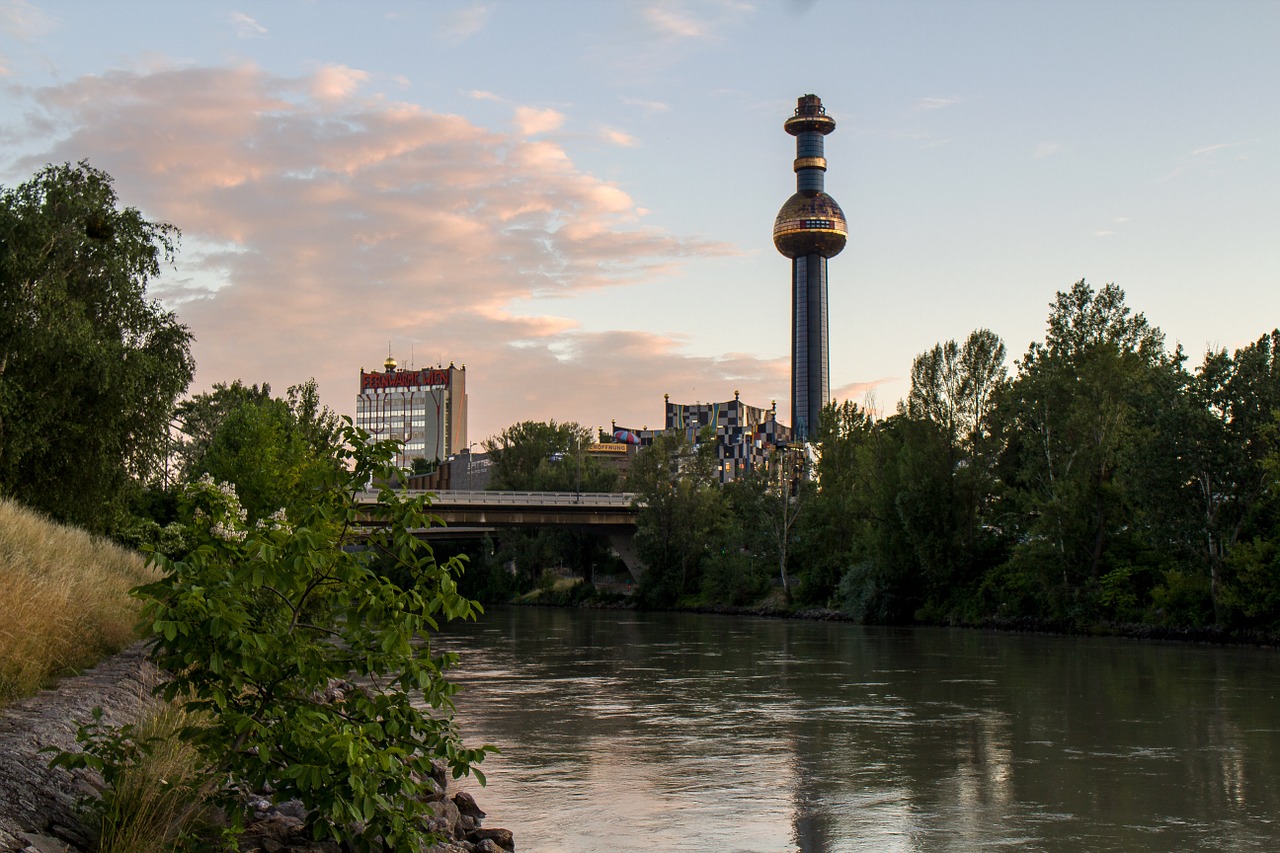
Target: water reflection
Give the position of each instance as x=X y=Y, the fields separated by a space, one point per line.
x=627 y=731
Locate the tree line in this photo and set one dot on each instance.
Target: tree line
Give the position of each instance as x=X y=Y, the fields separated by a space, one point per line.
x=1103 y=480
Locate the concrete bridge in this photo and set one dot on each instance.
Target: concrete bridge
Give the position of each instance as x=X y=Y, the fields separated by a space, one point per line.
x=473 y=514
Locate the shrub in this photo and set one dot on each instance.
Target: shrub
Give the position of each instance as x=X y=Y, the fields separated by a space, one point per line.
x=258 y=622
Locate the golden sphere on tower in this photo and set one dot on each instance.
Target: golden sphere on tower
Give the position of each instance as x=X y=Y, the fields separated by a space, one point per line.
x=810 y=223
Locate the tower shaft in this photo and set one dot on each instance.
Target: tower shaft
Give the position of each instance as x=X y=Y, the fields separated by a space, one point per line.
x=810 y=360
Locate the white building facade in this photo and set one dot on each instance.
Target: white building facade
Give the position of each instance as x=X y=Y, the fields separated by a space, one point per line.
x=424 y=409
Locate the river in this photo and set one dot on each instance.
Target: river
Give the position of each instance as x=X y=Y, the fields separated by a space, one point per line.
x=625 y=731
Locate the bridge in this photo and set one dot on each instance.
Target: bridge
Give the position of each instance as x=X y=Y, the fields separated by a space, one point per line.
x=472 y=514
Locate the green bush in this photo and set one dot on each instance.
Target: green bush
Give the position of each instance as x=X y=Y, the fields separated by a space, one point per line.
x=258 y=622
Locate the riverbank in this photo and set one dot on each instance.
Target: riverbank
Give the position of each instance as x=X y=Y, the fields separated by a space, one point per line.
x=39 y=805
x=577 y=597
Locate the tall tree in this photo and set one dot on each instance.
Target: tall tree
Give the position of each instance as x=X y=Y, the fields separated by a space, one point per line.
x=90 y=368
x=683 y=511
x=948 y=457
x=1075 y=408
x=275 y=451
x=833 y=532
x=1236 y=482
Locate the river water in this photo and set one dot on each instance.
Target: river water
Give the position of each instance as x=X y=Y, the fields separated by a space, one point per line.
x=624 y=731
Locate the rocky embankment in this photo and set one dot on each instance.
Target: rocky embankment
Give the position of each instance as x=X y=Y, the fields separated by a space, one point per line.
x=38 y=804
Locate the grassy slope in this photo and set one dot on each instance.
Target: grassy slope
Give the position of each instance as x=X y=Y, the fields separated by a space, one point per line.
x=64 y=600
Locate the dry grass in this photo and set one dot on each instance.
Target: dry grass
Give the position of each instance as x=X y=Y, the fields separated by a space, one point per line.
x=161 y=799
x=64 y=600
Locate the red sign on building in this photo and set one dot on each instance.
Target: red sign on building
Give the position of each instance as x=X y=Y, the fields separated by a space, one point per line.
x=430 y=377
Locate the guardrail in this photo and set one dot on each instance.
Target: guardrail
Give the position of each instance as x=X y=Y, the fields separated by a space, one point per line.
x=477 y=498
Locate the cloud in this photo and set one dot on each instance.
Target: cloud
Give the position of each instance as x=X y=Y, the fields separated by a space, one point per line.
x=246 y=27
x=481 y=95
x=618 y=137
x=1209 y=149
x=650 y=107
x=1111 y=232
x=925 y=104
x=1048 y=149
x=25 y=22
x=316 y=231
x=670 y=19
x=465 y=23
x=863 y=393
x=531 y=121
x=1202 y=158
x=336 y=82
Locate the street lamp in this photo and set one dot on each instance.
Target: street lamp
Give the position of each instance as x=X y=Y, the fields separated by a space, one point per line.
x=577 y=498
x=469 y=446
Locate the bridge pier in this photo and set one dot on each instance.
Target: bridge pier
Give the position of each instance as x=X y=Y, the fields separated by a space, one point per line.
x=624 y=543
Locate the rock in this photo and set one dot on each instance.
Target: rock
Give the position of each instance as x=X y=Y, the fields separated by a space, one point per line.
x=467 y=805
x=447 y=816
x=501 y=837
x=488 y=846
x=449 y=847
x=40 y=800
x=43 y=844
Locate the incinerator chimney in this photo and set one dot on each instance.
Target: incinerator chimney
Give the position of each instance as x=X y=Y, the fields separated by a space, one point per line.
x=809 y=229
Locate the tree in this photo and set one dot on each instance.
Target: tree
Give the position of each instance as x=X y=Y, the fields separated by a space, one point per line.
x=683 y=511
x=90 y=368
x=743 y=557
x=261 y=621
x=276 y=452
x=786 y=496
x=1074 y=410
x=536 y=456
x=1234 y=474
x=834 y=532
x=948 y=457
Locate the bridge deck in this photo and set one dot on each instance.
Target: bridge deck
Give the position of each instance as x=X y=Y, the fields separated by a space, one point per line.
x=460 y=498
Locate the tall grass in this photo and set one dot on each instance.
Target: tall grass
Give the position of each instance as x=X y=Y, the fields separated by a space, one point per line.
x=160 y=799
x=64 y=600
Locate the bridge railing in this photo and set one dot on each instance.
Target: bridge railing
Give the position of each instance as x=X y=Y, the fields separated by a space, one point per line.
x=496 y=498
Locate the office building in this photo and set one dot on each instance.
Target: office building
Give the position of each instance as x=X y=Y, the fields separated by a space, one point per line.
x=425 y=409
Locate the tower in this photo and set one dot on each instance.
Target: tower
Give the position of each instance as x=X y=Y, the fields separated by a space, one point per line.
x=810 y=228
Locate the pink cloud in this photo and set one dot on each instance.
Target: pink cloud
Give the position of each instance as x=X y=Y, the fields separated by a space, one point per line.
x=530 y=121
x=336 y=82
x=317 y=232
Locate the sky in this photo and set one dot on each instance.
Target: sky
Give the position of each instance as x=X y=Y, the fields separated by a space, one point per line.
x=575 y=199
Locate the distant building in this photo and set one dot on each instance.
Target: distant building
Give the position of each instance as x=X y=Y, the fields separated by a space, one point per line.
x=612 y=454
x=745 y=435
x=465 y=471
x=425 y=408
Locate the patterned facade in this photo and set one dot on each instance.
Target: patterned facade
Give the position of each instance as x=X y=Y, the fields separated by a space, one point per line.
x=745 y=435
